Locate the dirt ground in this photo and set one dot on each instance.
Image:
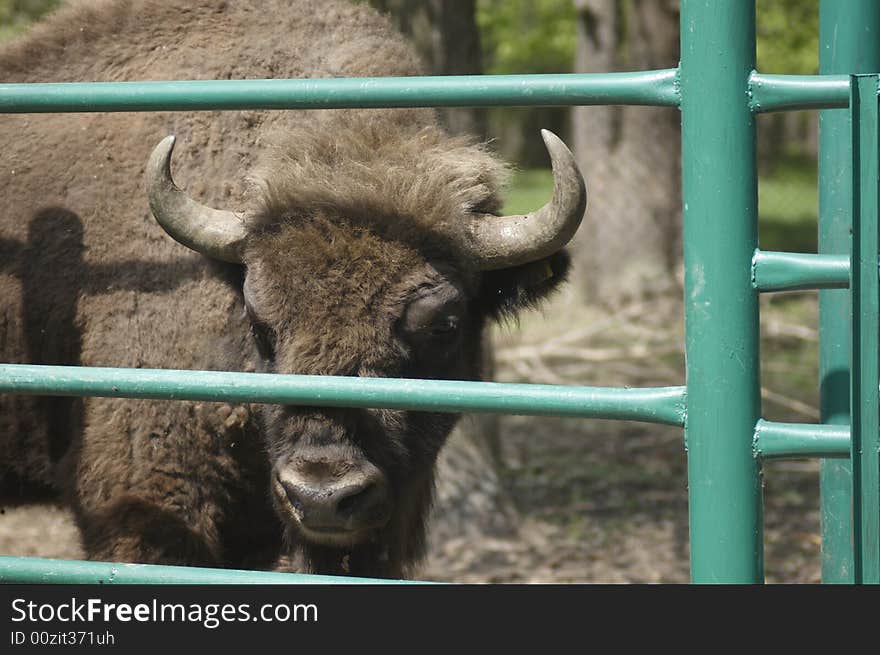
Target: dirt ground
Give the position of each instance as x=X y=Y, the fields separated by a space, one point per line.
x=597 y=501
x=607 y=503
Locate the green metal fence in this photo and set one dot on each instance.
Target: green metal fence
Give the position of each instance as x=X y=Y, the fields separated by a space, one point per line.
x=719 y=94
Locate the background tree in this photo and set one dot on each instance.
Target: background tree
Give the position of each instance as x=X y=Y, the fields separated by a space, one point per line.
x=629 y=244
x=446 y=34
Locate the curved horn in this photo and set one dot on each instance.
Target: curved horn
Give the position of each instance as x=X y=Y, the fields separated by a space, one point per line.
x=214 y=233
x=506 y=241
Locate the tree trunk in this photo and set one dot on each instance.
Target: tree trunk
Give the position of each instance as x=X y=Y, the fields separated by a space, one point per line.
x=446 y=35
x=630 y=241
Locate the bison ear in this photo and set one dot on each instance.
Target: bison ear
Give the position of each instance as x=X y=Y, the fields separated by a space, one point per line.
x=507 y=291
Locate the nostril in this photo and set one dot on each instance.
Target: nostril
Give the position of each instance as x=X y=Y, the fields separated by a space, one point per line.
x=355 y=502
x=358 y=500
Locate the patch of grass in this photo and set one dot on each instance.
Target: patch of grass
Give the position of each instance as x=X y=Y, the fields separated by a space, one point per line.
x=788 y=206
x=529 y=189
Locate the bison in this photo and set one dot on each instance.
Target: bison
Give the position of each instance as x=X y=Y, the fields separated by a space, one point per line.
x=357 y=242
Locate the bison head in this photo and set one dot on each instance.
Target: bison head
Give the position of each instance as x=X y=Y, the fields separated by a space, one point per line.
x=372 y=256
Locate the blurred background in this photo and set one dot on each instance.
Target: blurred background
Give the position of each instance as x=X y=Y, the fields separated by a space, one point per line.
x=563 y=500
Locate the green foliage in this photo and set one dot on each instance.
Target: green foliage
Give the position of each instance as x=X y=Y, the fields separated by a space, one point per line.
x=527 y=36
x=538 y=36
x=788 y=36
x=15 y=15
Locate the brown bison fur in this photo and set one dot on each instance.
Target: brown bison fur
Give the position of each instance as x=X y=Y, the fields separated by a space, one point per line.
x=347 y=215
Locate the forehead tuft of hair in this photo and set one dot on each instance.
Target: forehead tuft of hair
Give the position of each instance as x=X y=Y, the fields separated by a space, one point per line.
x=378 y=170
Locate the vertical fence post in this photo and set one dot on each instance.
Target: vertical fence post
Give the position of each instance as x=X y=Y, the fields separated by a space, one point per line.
x=865 y=361
x=849 y=42
x=721 y=306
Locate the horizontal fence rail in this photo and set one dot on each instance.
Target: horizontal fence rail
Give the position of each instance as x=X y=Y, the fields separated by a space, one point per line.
x=36 y=570
x=794 y=440
x=789 y=92
x=639 y=88
x=666 y=405
x=654 y=88
x=789 y=271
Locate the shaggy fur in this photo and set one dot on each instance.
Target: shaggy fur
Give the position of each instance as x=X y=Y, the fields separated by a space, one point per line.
x=353 y=216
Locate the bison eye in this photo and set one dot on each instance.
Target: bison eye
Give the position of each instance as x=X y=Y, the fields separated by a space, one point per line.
x=434 y=318
x=264 y=337
x=446 y=326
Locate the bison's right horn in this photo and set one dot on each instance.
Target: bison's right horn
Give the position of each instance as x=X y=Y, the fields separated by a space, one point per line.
x=506 y=241
x=212 y=232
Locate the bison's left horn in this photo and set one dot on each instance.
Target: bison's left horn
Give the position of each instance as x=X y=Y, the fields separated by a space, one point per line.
x=506 y=241
x=212 y=232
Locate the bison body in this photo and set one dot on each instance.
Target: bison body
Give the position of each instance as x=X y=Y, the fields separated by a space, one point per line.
x=357 y=257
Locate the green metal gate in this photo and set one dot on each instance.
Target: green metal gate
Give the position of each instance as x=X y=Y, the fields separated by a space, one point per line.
x=719 y=94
